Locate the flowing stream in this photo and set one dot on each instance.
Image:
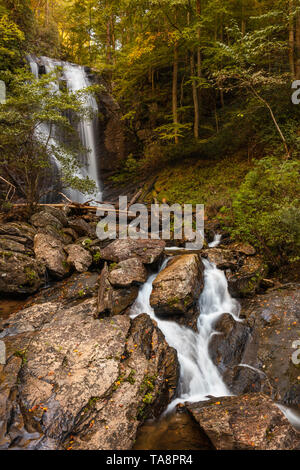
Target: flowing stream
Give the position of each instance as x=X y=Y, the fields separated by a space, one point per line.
x=199 y=377
x=76 y=79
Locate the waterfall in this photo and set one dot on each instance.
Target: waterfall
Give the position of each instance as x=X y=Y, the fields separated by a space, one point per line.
x=76 y=79
x=216 y=241
x=199 y=377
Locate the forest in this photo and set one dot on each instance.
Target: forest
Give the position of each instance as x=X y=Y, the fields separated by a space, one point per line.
x=165 y=102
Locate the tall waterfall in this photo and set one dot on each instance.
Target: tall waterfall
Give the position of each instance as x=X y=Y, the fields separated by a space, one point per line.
x=199 y=377
x=76 y=79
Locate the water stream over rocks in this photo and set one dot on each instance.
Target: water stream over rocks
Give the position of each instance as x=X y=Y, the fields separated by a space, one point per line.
x=199 y=377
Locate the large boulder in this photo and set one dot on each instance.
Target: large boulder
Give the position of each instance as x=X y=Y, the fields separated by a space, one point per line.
x=177 y=288
x=272 y=346
x=246 y=281
x=70 y=291
x=245 y=422
x=18 y=231
x=78 y=257
x=227 y=345
x=113 y=300
x=83 y=228
x=222 y=258
x=147 y=251
x=71 y=381
x=20 y=274
x=128 y=272
x=49 y=250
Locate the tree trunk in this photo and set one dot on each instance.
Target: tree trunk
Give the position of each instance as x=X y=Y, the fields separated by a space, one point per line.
x=298 y=46
x=195 y=97
x=174 y=92
x=199 y=56
x=291 y=39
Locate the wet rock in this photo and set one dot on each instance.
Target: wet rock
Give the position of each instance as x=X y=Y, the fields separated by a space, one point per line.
x=274 y=319
x=113 y=301
x=82 y=227
x=248 y=278
x=84 y=383
x=72 y=290
x=227 y=345
x=245 y=422
x=78 y=257
x=147 y=251
x=242 y=379
x=128 y=272
x=49 y=251
x=177 y=287
x=20 y=274
x=222 y=258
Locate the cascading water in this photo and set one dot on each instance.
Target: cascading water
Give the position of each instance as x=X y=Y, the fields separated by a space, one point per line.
x=199 y=377
x=76 y=79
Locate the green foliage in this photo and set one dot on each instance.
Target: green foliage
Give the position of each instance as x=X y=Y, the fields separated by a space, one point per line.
x=266 y=209
x=11 y=39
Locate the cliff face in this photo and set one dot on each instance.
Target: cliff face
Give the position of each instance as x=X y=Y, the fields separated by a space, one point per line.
x=112 y=141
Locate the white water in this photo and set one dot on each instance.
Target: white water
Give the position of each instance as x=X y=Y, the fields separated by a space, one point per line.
x=216 y=241
x=199 y=377
x=76 y=80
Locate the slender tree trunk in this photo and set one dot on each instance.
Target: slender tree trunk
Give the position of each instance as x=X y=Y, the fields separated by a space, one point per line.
x=199 y=55
x=195 y=97
x=297 y=46
x=291 y=39
x=174 y=92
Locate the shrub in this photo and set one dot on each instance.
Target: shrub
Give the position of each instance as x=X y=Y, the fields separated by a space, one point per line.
x=266 y=208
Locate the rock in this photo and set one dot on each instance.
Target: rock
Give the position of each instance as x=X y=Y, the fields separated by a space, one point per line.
x=222 y=258
x=147 y=251
x=18 y=230
x=177 y=287
x=49 y=250
x=78 y=257
x=70 y=291
x=244 y=423
x=113 y=301
x=248 y=278
x=71 y=233
x=20 y=274
x=274 y=320
x=243 y=248
x=227 y=346
x=45 y=219
x=81 y=227
x=128 y=272
x=90 y=379
x=9 y=245
x=58 y=214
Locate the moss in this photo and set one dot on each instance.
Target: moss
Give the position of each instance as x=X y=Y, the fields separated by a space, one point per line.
x=22 y=353
x=97 y=257
x=113 y=266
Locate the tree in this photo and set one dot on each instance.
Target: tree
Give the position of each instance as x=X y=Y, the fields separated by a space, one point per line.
x=26 y=149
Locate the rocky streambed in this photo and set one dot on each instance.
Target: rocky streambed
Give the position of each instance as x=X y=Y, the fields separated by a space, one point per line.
x=79 y=372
